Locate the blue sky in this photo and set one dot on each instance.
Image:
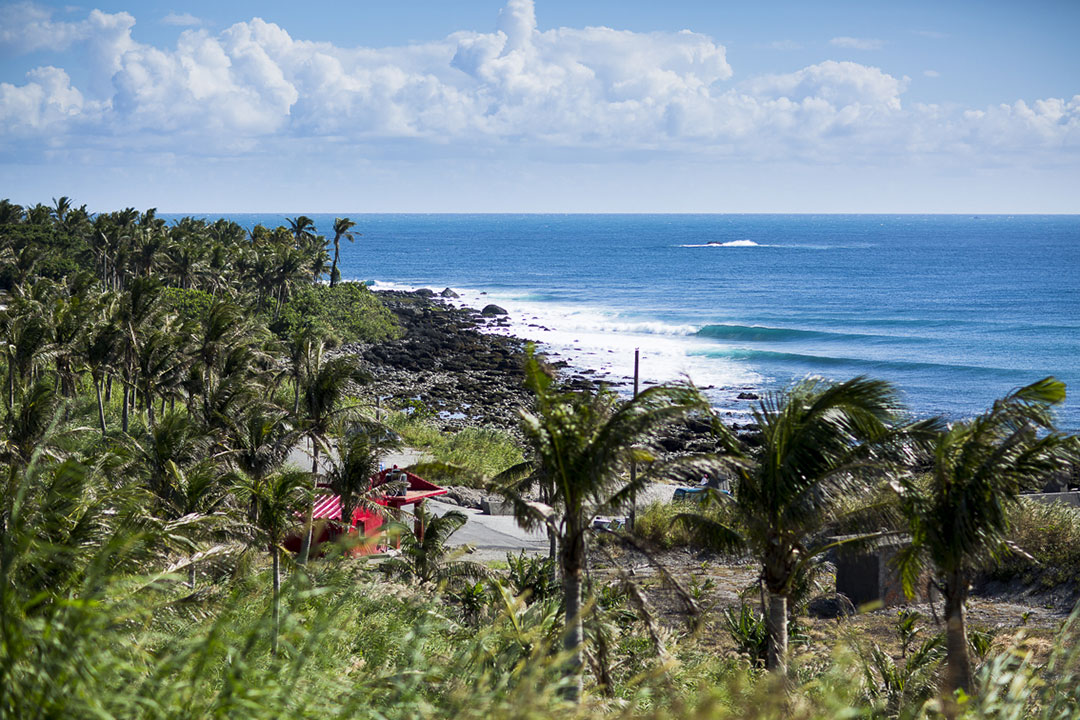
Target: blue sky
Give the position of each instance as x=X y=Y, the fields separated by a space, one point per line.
x=552 y=106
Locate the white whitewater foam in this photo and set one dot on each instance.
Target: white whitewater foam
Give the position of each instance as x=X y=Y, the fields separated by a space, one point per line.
x=732 y=243
x=603 y=340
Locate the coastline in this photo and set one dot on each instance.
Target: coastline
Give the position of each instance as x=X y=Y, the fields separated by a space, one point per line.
x=467 y=368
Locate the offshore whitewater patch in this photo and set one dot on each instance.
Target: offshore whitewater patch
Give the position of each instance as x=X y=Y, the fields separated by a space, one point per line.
x=730 y=244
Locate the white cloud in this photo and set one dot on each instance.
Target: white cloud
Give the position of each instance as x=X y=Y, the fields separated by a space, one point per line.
x=852 y=43
x=931 y=73
x=181 y=19
x=46 y=101
x=26 y=27
x=596 y=88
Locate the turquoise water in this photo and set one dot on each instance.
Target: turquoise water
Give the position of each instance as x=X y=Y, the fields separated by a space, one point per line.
x=956 y=310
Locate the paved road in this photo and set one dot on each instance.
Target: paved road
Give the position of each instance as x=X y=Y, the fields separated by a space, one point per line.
x=492 y=535
x=495 y=535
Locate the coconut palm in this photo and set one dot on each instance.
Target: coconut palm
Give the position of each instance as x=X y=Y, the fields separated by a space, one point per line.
x=959 y=511
x=426 y=556
x=581 y=444
x=276 y=499
x=342 y=229
x=359 y=452
x=326 y=386
x=100 y=351
x=818 y=443
x=176 y=440
x=259 y=440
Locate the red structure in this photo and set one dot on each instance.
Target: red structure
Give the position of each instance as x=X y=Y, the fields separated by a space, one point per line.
x=365 y=522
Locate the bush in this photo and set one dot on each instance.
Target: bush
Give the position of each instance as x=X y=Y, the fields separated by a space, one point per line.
x=1049 y=532
x=348 y=310
x=485 y=451
x=658 y=523
x=191 y=305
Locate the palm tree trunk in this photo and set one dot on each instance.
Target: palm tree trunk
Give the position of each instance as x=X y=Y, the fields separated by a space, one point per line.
x=776 y=624
x=958 y=674
x=275 y=552
x=100 y=406
x=191 y=576
x=333 y=268
x=305 y=546
x=124 y=414
x=573 y=553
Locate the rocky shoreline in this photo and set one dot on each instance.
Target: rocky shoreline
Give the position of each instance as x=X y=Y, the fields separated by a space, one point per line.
x=446 y=364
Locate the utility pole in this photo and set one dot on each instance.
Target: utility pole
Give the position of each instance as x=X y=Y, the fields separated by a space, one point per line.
x=633 y=465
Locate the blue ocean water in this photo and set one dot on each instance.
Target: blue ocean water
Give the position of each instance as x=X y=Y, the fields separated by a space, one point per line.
x=955 y=310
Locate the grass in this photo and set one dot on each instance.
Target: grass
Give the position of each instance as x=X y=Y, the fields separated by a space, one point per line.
x=1050 y=533
x=485 y=451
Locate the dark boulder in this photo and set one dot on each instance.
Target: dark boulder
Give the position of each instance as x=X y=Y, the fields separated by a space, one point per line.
x=748 y=396
x=448 y=293
x=490 y=310
x=425 y=292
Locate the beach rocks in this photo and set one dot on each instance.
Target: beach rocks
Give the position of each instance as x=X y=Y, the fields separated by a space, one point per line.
x=458 y=375
x=490 y=310
x=425 y=292
x=448 y=293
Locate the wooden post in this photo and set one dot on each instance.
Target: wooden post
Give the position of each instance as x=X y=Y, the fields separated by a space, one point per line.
x=633 y=465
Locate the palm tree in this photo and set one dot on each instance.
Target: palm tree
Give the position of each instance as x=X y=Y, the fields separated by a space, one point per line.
x=342 y=228
x=359 y=452
x=818 y=443
x=582 y=443
x=259 y=441
x=959 y=511
x=100 y=351
x=326 y=386
x=302 y=228
x=276 y=499
x=177 y=440
x=427 y=557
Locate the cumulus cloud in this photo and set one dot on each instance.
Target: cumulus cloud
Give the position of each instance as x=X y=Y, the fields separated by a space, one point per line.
x=851 y=43
x=26 y=27
x=253 y=84
x=181 y=19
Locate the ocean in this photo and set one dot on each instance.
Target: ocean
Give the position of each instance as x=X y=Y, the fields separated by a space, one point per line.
x=956 y=310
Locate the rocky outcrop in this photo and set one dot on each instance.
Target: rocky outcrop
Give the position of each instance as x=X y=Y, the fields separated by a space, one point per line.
x=444 y=365
x=491 y=310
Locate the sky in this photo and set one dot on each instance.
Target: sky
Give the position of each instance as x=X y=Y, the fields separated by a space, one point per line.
x=543 y=106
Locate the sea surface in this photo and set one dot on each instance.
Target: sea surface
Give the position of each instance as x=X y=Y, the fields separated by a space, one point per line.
x=956 y=310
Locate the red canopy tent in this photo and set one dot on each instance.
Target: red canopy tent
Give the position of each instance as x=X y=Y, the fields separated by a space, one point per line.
x=365 y=521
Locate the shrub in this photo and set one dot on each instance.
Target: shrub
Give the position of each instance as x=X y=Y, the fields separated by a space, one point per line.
x=533 y=575
x=485 y=451
x=190 y=304
x=1049 y=532
x=348 y=310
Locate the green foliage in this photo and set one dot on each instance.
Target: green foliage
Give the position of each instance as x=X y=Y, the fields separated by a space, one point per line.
x=659 y=523
x=483 y=451
x=1049 y=533
x=191 y=305
x=746 y=627
x=348 y=310
x=532 y=576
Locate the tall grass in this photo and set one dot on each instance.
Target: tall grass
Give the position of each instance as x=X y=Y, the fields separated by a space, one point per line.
x=483 y=450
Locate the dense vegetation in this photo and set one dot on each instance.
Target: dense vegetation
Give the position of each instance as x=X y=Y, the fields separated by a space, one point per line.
x=155 y=379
